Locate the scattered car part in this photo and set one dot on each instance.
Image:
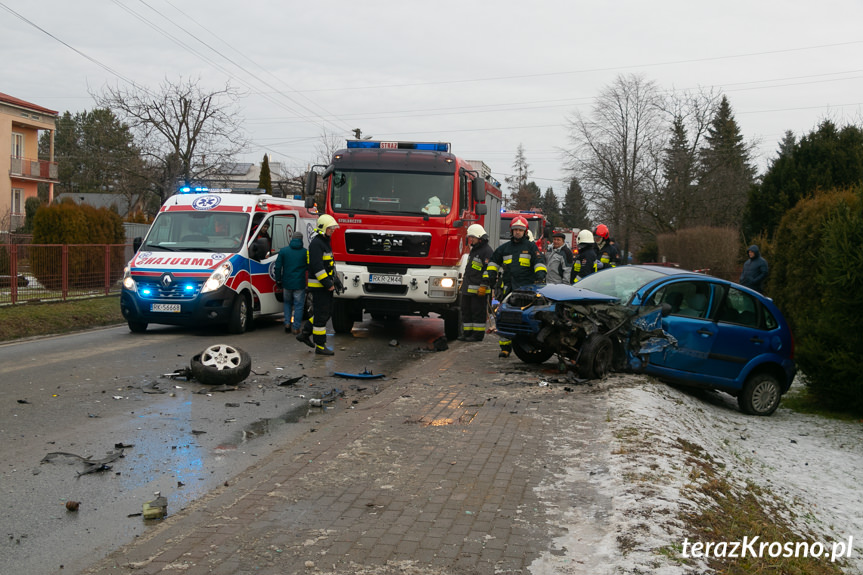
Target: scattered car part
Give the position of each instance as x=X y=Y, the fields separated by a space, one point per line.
x=221 y=364
x=365 y=374
x=157 y=508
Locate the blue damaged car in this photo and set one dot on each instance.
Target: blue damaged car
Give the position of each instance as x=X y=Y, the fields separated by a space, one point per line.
x=680 y=326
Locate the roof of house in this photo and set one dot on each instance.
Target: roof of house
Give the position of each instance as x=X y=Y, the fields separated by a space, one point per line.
x=24 y=104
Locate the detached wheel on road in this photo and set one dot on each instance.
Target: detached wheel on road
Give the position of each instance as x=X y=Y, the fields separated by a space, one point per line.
x=596 y=357
x=527 y=352
x=221 y=364
x=760 y=395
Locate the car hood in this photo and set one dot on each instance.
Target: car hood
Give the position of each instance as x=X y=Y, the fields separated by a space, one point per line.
x=564 y=292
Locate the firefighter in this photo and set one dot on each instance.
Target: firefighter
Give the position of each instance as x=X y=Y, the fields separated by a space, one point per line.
x=473 y=305
x=585 y=263
x=605 y=248
x=323 y=281
x=521 y=263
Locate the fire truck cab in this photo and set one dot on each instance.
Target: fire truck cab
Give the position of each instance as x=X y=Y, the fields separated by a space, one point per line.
x=206 y=260
x=537 y=224
x=403 y=210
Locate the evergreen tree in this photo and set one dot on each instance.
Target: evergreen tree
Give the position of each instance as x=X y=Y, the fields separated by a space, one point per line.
x=726 y=172
x=523 y=195
x=828 y=158
x=551 y=207
x=675 y=207
x=574 y=212
x=265 y=182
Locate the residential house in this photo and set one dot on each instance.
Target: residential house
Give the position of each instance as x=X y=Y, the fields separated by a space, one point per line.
x=242 y=176
x=20 y=124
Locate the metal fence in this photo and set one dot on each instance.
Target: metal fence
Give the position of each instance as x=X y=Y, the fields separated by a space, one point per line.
x=57 y=272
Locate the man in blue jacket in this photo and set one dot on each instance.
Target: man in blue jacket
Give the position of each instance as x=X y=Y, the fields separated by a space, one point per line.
x=290 y=272
x=754 y=270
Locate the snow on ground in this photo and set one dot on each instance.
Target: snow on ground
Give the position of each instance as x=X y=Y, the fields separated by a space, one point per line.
x=807 y=462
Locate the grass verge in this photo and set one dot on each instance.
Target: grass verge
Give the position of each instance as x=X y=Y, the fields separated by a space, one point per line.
x=730 y=514
x=36 y=319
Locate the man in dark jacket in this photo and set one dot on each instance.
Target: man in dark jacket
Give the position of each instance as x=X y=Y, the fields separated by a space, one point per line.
x=290 y=272
x=323 y=281
x=474 y=307
x=754 y=270
x=521 y=263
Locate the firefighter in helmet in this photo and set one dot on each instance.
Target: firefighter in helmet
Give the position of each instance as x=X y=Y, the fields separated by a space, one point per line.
x=474 y=307
x=585 y=261
x=323 y=282
x=605 y=247
x=520 y=263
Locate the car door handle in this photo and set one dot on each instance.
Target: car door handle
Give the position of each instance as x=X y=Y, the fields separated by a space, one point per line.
x=756 y=339
x=704 y=332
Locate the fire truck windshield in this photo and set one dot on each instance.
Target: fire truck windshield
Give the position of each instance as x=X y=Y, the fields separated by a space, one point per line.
x=406 y=193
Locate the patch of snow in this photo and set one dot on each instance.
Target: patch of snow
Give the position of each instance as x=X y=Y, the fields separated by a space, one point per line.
x=631 y=465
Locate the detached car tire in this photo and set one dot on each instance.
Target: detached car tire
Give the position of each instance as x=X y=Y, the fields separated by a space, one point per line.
x=760 y=395
x=221 y=364
x=528 y=352
x=596 y=357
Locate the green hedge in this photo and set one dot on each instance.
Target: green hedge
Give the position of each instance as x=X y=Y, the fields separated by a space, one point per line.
x=70 y=223
x=816 y=278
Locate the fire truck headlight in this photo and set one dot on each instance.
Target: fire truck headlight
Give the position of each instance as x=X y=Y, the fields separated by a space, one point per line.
x=128 y=282
x=218 y=278
x=442 y=287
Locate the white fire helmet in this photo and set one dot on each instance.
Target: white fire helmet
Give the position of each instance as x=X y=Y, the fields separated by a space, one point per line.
x=476 y=231
x=584 y=237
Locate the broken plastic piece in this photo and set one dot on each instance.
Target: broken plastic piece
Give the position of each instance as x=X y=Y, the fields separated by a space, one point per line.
x=157 y=508
x=365 y=374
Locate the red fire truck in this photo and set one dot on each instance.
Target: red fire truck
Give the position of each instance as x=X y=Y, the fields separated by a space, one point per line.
x=403 y=210
x=537 y=224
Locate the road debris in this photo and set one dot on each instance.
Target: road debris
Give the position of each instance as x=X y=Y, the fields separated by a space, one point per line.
x=157 y=508
x=92 y=465
x=365 y=374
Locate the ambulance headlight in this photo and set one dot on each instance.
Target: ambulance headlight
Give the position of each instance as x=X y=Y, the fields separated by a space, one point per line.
x=218 y=278
x=128 y=282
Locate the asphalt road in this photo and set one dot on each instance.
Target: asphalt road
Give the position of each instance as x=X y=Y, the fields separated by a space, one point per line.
x=88 y=395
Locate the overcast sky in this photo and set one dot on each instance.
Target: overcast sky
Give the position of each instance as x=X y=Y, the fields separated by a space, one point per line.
x=483 y=75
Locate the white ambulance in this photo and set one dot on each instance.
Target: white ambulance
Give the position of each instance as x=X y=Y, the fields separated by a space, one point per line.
x=206 y=260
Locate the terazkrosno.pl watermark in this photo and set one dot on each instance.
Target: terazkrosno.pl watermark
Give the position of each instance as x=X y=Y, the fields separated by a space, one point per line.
x=754 y=547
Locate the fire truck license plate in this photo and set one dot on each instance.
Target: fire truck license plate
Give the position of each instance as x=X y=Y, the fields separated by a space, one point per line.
x=385 y=279
x=171 y=307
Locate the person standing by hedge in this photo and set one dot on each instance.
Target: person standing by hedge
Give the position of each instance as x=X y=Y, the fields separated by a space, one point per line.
x=290 y=271
x=754 y=270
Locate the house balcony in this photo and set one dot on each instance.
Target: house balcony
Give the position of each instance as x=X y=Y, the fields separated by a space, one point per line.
x=38 y=170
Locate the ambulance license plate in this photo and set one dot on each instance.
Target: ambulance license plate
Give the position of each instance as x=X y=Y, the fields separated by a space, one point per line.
x=169 y=307
x=385 y=279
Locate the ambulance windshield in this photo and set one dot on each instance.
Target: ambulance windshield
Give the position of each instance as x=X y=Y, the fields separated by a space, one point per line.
x=202 y=231
x=398 y=193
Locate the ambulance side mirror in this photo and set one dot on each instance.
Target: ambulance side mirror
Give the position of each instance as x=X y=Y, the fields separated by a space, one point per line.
x=258 y=249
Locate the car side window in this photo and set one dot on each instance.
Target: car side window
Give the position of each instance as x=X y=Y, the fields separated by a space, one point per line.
x=740 y=308
x=690 y=299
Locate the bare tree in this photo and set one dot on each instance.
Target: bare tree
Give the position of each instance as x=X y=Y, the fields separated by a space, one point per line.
x=184 y=132
x=616 y=153
x=327 y=145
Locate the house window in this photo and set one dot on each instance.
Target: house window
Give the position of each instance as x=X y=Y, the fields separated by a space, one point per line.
x=17 y=145
x=17 y=201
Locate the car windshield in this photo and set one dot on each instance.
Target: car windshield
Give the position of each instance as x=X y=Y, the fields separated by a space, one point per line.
x=187 y=231
x=620 y=282
x=393 y=192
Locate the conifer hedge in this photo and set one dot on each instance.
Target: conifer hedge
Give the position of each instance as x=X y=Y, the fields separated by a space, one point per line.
x=70 y=223
x=816 y=278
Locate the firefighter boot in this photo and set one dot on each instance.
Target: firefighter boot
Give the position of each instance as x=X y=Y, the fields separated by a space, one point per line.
x=505 y=348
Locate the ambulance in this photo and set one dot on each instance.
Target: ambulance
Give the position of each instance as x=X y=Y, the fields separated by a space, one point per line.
x=207 y=260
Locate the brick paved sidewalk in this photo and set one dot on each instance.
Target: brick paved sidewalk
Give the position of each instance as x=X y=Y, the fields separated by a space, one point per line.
x=436 y=474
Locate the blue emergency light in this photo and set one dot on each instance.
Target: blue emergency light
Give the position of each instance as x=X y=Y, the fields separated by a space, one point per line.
x=430 y=146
